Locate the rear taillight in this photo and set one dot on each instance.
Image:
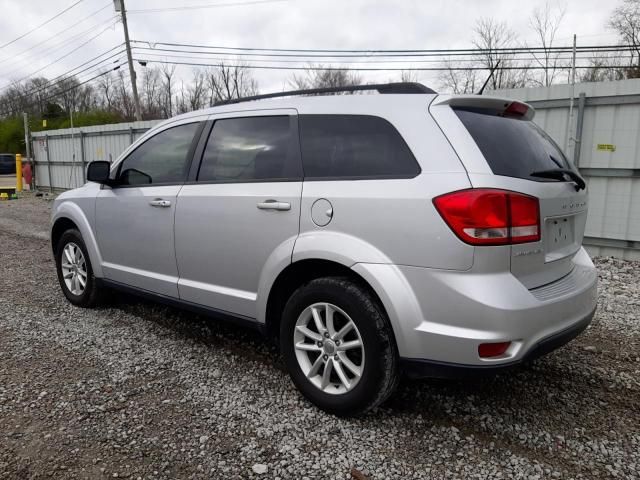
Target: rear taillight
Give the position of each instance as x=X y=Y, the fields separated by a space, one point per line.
x=485 y=216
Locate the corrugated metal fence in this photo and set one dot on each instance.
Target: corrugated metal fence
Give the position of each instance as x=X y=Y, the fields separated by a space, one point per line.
x=61 y=156
x=602 y=140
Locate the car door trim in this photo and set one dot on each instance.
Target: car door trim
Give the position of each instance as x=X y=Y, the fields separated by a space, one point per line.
x=223 y=315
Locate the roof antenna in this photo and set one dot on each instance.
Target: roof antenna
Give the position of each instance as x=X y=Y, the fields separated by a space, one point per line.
x=489 y=77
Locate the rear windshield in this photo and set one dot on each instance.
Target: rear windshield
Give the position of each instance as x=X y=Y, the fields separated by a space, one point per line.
x=512 y=147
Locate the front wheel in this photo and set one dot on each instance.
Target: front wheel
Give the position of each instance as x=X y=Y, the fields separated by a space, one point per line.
x=338 y=346
x=74 y=270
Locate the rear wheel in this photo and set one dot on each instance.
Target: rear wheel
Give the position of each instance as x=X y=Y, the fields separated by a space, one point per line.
x=74 y=270
x=338 y=346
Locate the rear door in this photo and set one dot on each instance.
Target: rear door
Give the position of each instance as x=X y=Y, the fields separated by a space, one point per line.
x=501 y=147
x=240 y=212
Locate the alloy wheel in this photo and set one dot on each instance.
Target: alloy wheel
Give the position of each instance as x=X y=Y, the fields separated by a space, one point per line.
x=329 y=348
x=74 y=268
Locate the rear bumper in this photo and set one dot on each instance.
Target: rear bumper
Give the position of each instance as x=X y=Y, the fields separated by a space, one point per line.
x=420 y=368
x=440 y=317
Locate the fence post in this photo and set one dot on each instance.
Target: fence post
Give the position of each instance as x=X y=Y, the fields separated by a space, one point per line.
x=82 y=158
x=580 y=121
x=18 y=172
x=46 y=148
x=130 y=135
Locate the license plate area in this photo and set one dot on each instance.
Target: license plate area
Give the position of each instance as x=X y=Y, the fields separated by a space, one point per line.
x=560 y=237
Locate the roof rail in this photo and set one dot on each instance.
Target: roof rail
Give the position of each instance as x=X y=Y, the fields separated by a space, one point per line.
x=398 y=87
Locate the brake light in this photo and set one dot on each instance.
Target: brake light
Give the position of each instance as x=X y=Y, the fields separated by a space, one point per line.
x=485 y=216
x=517 y=109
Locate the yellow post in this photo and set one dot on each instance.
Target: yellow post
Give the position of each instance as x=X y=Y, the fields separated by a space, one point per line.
x=18 y=172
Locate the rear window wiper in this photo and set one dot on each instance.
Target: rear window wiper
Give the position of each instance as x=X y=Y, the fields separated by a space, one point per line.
x=561 y=174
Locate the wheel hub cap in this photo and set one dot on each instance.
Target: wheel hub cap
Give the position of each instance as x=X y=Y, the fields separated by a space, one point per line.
x=329 y=347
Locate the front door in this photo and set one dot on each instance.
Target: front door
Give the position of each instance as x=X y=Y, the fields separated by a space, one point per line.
x=134 y=218
x=242 y=212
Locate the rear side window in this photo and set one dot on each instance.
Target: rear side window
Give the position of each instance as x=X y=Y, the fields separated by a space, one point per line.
x=353 y=146
x=512 y=147
x=251 y=149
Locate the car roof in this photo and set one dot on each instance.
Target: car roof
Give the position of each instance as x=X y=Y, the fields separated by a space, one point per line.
x=336 y=104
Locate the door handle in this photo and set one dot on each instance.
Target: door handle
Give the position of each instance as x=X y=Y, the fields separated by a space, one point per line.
x=158 y=202
x=274 y=205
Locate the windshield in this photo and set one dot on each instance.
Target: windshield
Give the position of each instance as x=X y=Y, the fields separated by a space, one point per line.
x=512 y=147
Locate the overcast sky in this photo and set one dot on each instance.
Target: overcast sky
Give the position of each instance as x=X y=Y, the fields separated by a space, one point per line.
x=314 y=24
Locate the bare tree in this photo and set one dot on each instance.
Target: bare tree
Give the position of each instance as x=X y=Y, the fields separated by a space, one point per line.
x=410 y=76
x=196 y=92
x=457 y=79
x=602 y=68
x=320 y=76
x=228 y=82
x=39 y=91
x=86 y=98
x=167 y=72
x=107 y=91
x=124 y=100
x=491 y=37
x=151 y=93
x=625 y=20
x=545 y=22
x=66 y=91
x=182 y=106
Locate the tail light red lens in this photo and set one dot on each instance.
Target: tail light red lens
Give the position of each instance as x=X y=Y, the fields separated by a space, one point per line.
x=485 y=216
x=488 y=350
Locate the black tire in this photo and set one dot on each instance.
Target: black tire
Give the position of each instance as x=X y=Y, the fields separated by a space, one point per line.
x=92 y=294
x=380 y=373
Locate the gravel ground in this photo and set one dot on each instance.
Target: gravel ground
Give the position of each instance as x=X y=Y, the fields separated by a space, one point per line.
x=138 y=390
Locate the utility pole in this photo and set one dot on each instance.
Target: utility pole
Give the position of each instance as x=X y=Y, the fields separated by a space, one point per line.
x=119 y=6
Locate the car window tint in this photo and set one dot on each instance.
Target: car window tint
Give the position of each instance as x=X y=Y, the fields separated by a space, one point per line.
x=250 y=149
x=348 y=146
x=161 y=159
x=513 y=147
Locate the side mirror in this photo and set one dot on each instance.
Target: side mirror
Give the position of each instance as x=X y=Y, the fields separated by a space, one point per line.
x=98 y=171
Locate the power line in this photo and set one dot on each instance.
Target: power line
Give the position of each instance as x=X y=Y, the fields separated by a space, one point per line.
x=46 y=40
x=56 y=46
x=364 y=69
x=41 y=25
x=60 y=78
x=60 y=58
x=402 y=52
x=370 y=60
x=197 y=7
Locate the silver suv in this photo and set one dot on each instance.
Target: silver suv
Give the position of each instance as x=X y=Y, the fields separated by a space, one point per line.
x=369 y=235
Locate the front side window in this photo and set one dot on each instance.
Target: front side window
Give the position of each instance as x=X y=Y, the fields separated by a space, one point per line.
x=353 y=146
x=162 y=159
x=251 y=149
